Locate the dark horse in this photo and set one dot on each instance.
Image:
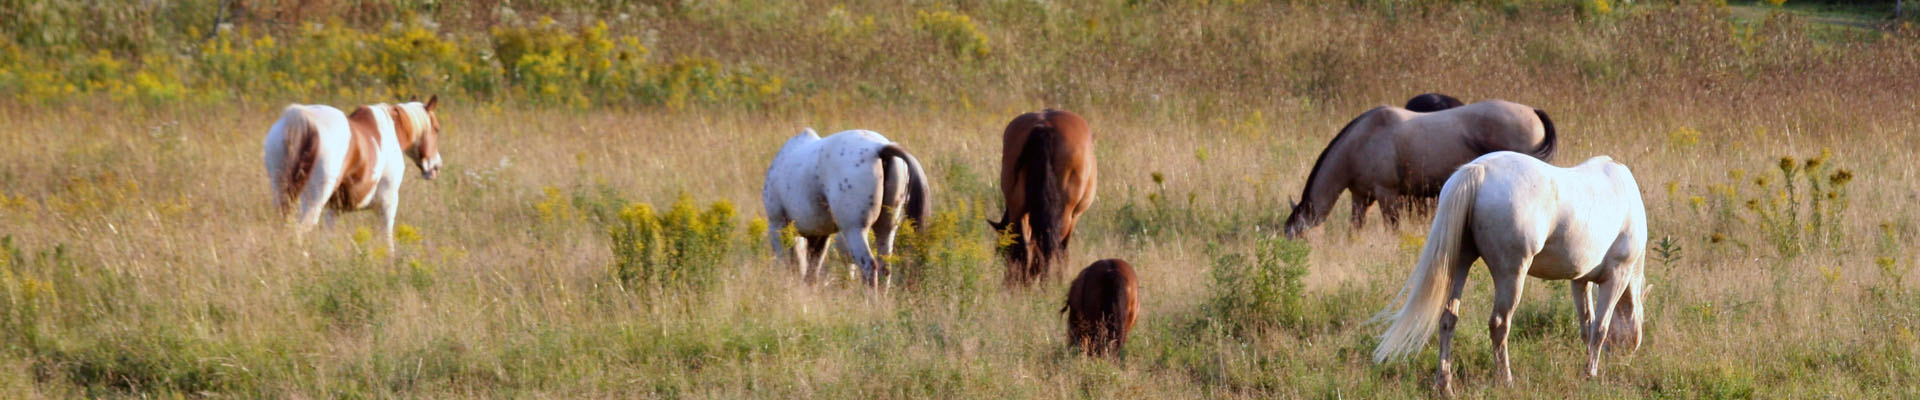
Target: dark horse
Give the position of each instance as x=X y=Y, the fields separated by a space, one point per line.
x=1399 y=157
x=1430 y=102
x=1047 y=177
x=1102 y=306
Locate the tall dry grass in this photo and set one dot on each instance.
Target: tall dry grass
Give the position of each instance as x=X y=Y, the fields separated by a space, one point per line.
x=147 y=258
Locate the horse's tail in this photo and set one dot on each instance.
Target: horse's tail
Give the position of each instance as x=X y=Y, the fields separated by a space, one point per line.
x=1425 y=294
x=302 y=142
x=1045 y=198
x=1547 y=145
x=917 y=187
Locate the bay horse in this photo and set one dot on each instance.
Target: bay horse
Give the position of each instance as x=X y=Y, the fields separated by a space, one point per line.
x=1525 y=217
x=1399 y=157
x=318 y=158
x=847 y=183
x=1102 y=306
x=1047 y=177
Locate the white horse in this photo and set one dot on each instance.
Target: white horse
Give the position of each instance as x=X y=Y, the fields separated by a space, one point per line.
x=847 y=183
x=319 y=158
x=1526 y=217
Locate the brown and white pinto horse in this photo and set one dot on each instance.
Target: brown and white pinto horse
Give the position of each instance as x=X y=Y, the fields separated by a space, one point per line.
x=1102 y=306
x=1047 y=177
x=318 y=158
x=1400 y=157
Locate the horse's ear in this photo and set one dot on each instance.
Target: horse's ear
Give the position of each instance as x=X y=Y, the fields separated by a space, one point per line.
x=433 y=102
x=1290 y=204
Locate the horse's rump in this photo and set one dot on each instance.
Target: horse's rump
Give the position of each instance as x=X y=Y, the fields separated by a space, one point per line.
x=1045 y=198
x=300 y=139
x=917 y=186
x=1102 y=306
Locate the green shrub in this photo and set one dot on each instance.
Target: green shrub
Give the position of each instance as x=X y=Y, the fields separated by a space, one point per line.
x=956 y=32
x=1803 y=211
x=1265 y=292
x=948 y=259
x=681 y=249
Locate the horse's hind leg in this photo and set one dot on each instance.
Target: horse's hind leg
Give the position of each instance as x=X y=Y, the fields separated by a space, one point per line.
x=884 y=229
x=1391 y=204
x=1449 y=317
x=1608 y=298
x=1507 y=286
x=856 y=242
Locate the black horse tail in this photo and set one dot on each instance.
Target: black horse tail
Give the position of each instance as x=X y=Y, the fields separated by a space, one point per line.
x=1045 y=197
x=1545 y=152
x=917 y=186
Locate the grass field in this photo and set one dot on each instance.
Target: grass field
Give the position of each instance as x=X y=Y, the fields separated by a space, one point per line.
x=146 y=259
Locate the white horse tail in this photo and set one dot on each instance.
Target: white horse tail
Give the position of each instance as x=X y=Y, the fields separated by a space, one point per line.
x=917 y=186
x=1425 y=295
x=302 y=146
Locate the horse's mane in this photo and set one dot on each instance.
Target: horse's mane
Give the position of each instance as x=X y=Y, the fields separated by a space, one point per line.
x=1321 y=162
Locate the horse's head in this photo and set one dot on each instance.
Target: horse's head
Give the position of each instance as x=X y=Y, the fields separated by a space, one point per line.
x=1299 y=220
x=1629 y=315
x=425 y=131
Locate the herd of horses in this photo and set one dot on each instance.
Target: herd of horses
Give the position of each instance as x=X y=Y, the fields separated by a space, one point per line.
x=1481 y=169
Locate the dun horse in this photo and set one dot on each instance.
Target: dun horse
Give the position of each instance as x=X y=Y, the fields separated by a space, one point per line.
x=1047 y=177
x=1400 y=157
x=1527 y=218
x=1102 y=306
x=318 y=158
x=847 y=183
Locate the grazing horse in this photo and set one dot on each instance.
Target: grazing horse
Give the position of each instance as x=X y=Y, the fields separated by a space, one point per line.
x=1396 y=156
x=1047 y=177
x=1102 y=306
x=318 y=158
x=1526 y=217
x=1430 y=102
x=847 y=183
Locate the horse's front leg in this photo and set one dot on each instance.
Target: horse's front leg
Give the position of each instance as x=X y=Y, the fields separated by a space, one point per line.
x=1583 y=309
x=812 y=257
x=1361 y=202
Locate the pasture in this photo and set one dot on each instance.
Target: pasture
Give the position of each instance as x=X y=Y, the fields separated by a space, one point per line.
x=596 y=229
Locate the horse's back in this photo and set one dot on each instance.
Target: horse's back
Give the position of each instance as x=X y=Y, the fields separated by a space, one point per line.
x=1570 y=219
x=842 y=170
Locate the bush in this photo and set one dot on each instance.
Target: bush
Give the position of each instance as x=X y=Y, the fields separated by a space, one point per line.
x=1797 y=211
x=946 y=259
x=681 y=249
x=1265 y=293
x=956 y=32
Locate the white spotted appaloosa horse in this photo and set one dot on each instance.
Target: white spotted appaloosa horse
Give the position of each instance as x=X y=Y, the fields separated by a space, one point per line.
x=847 y=183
